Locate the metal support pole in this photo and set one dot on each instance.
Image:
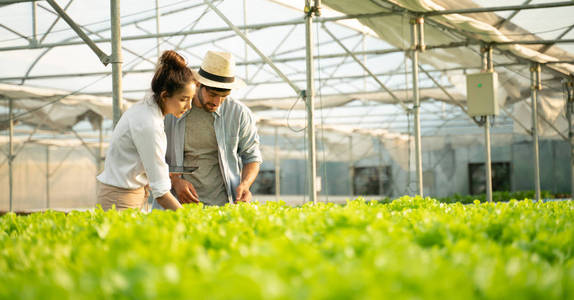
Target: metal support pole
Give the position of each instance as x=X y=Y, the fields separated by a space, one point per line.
x=157 y=28
x=535 y=86
x=488 y=66
x=101 y=146
x=34 y=39
x=101 y=55
x=497 y=8
x=116 y=59
x=245 y=32
x=351 y=168
x=309 y=94
x=277 y=166
x=381 y=168
x=569 y=89
x=488 y=160
x=416 y=107
x=11 y=152
x=47 y=176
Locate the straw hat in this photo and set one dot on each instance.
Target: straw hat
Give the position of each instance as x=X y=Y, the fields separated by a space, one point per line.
x=218 y=70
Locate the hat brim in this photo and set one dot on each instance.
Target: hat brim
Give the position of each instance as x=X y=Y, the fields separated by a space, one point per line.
x=236 y=84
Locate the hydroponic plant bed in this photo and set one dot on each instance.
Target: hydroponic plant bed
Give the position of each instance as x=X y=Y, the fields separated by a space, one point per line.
x=410 y=248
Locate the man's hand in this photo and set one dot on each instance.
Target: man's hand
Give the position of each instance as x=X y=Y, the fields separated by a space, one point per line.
x=243 y=194
x=184 y=190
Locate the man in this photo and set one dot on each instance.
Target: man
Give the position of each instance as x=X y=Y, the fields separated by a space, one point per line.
x=218 y=135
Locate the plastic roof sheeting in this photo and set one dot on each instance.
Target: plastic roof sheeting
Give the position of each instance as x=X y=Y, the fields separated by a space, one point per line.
x=66 y=110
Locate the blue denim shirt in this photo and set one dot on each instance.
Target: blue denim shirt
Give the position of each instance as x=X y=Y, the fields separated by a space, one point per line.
x=237 y=140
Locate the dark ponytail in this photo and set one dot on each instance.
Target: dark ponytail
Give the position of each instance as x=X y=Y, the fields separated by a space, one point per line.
x=171 y=75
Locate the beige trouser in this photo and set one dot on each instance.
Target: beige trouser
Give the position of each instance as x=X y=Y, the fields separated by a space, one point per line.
x=109 y=195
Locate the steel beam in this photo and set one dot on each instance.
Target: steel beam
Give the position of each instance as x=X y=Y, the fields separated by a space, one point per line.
x=351 y=168
x=311 y=10
x=535 y=86
x=471 y=40
x=95 y=155
x=277 y=166
x=116 y=59
x=11 y=153
x=360 y=63
x=416 y=46
x=15 y=32
x=34 y=39
x=488 y=66
x=495 y=9
x=559 y=37
x=512 y=15
x=569 y=92
x=58 y=17
x=104 y=58
x=237 y=30
x=47 y=176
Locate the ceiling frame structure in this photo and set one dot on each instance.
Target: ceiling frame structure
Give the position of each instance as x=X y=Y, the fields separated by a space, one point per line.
x=94 y=37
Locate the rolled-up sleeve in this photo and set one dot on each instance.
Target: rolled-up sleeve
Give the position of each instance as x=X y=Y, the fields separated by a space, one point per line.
x=151 y=144
x=248 y=148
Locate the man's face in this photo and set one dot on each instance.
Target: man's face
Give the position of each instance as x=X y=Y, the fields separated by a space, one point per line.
x=210 y=99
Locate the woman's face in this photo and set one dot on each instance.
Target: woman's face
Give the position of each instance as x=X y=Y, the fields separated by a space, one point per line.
x=180 y=101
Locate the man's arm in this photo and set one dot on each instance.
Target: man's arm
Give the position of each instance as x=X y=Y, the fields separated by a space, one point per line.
x=184 y=190
x=248 y=175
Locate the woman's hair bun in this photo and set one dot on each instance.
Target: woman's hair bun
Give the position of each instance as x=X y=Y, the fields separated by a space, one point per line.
x=172 y=59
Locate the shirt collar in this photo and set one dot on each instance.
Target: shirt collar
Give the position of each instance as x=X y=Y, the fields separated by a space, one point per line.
x=216 y=113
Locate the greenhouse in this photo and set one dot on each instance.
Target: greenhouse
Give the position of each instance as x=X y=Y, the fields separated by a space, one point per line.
x=382 y=124
x=379 y=131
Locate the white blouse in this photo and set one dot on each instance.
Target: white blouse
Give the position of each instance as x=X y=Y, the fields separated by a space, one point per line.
x=136 y=155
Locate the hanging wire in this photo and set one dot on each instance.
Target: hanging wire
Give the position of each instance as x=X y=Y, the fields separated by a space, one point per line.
x=289 y=116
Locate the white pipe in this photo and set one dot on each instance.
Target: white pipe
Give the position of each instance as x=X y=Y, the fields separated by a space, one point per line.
x=277 y=166
x=11 y=151
x=309 y=94
x=535 y=86
x=417 y=103
x=116 y=59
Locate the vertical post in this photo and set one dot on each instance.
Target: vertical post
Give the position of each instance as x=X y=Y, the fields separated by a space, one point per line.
x=11 y=152
x=535 y=86
x=487 y=66
x=416 y=106
x=116 y=59
x=277 y=166
x=34 y=23
x=351 y=168
x=101 y=146
x=569 y=110
x=309 y=94
x=381 y=168
x=47 y=176
x=488 y=160
x=157 y=29
x=364 y=48
x=245 y=32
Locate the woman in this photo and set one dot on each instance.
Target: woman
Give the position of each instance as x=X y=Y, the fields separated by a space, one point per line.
x=136 y=156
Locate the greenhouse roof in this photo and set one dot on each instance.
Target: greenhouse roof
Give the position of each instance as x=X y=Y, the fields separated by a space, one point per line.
x=363 y=71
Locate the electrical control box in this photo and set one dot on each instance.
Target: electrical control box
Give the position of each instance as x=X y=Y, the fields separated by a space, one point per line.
x=481 y=90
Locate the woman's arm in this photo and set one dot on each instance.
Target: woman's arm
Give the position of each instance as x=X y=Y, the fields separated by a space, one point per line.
x=168 y=201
